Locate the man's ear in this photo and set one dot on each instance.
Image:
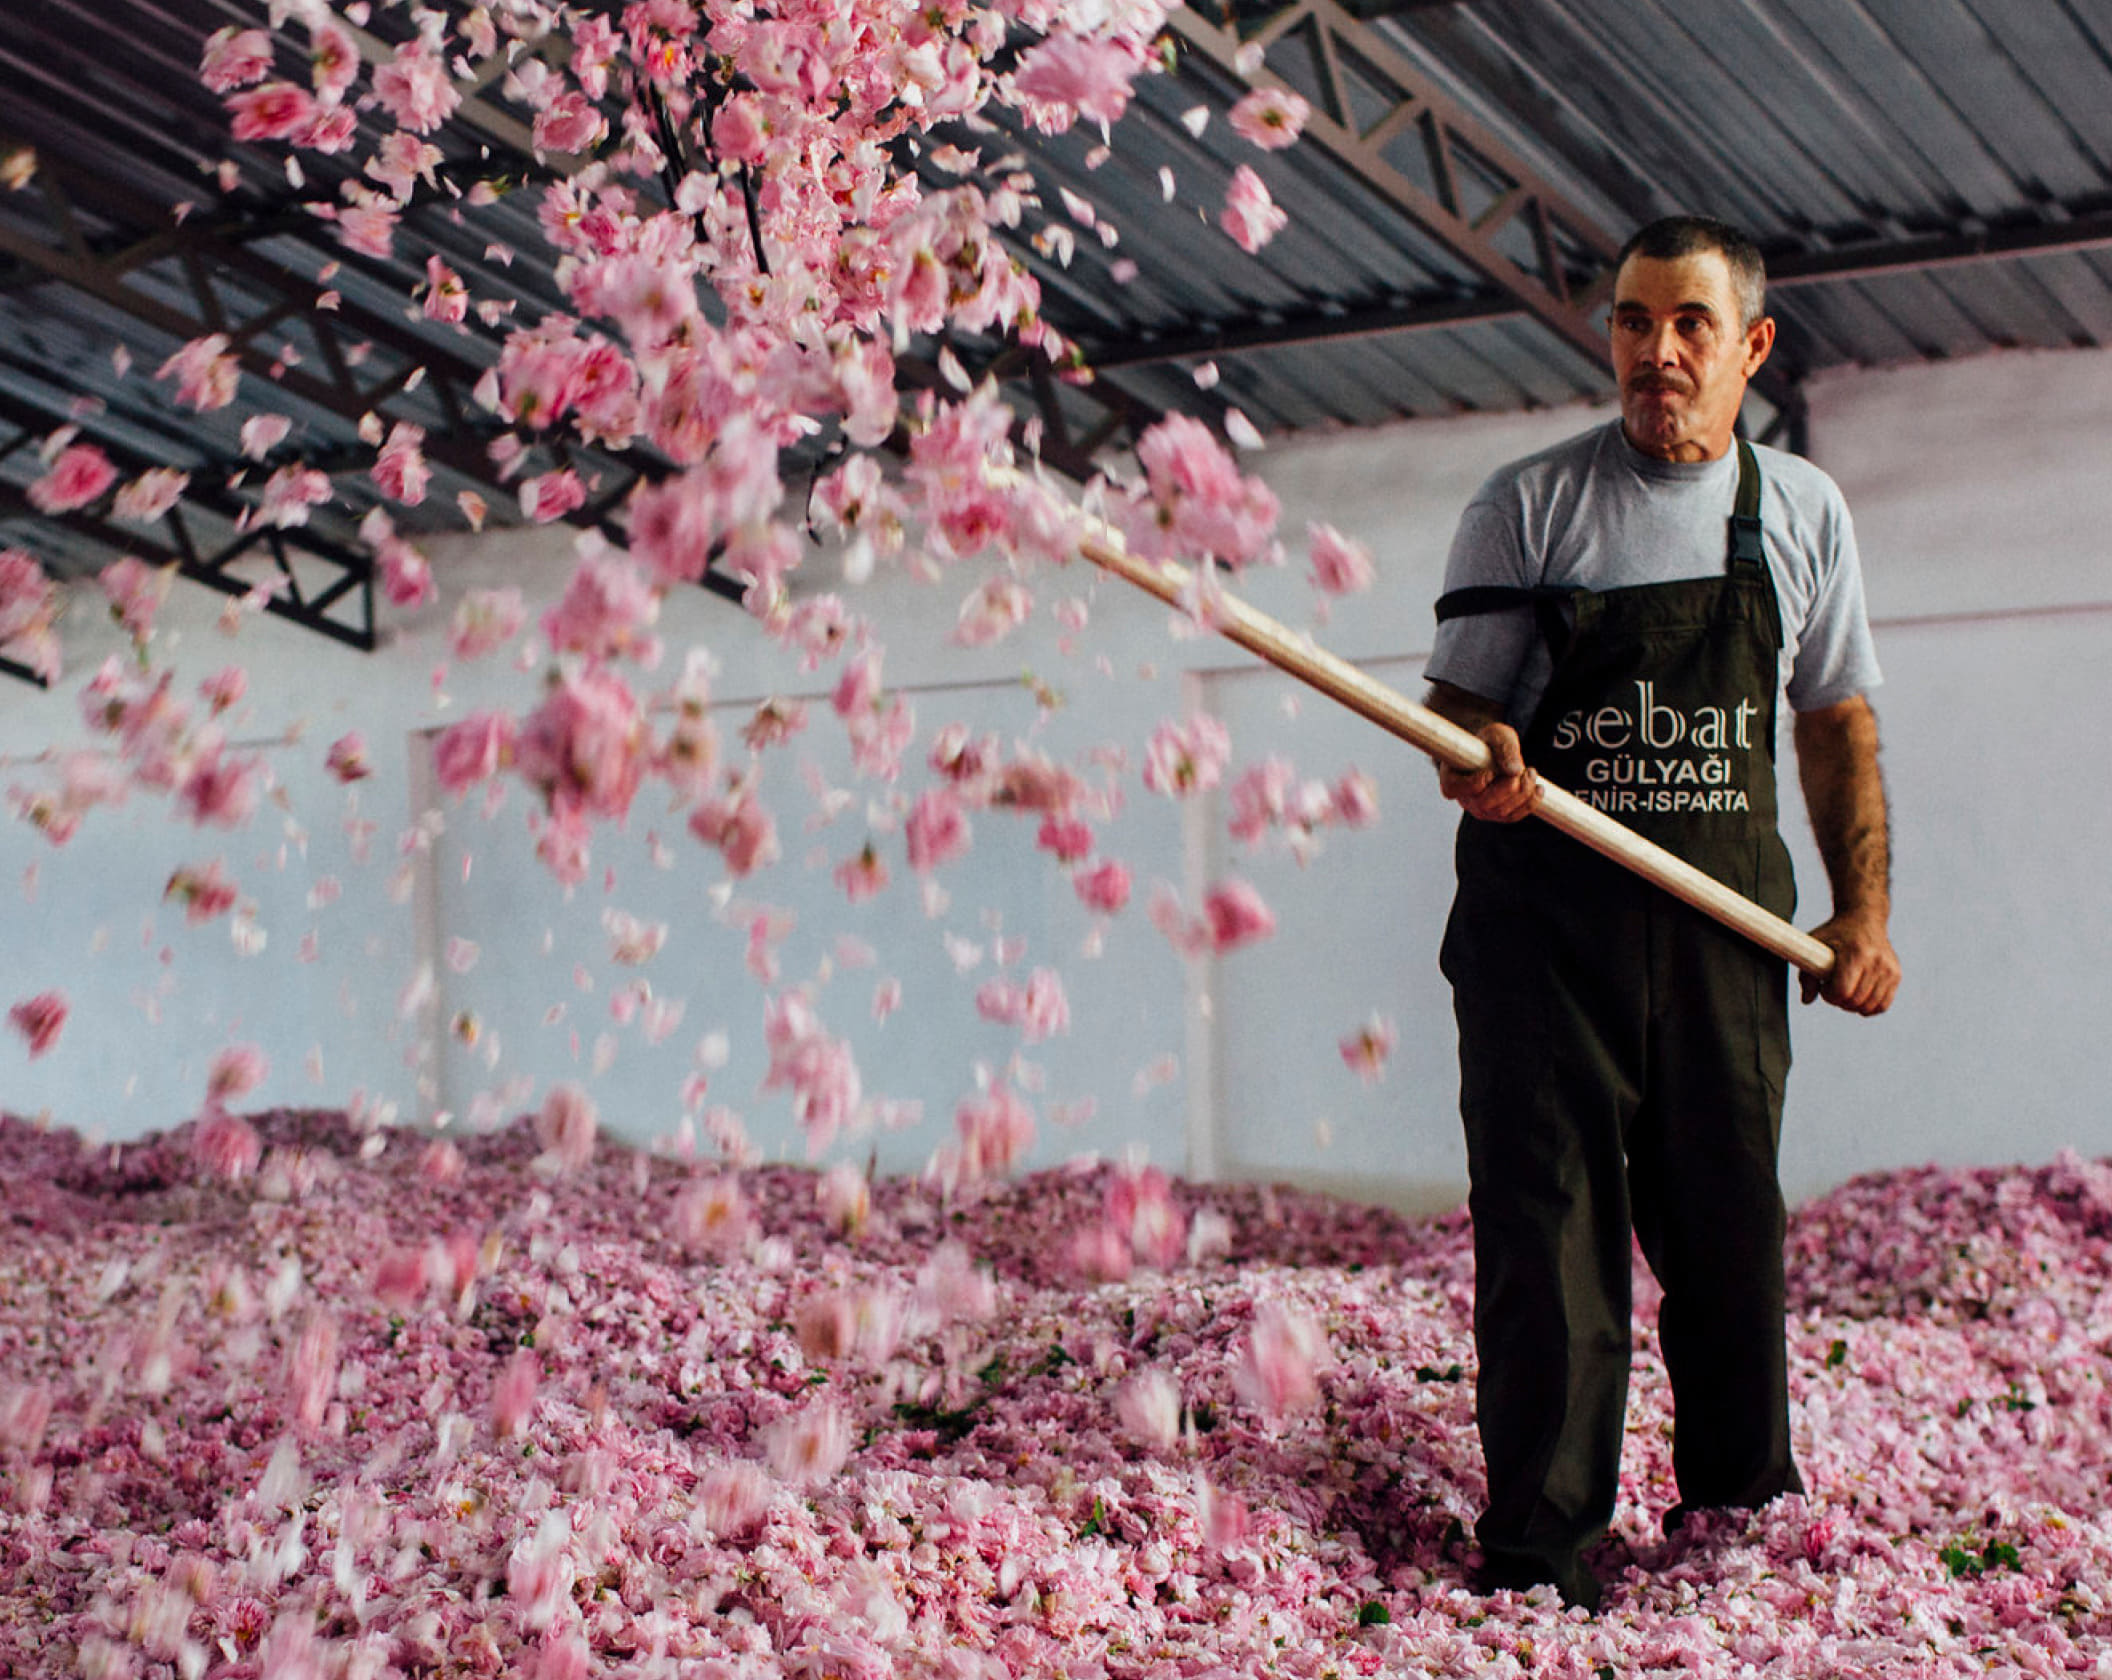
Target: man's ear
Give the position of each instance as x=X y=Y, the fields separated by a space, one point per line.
x=1759 y=340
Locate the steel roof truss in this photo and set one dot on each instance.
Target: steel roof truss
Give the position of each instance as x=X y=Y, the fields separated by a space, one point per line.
x=1481 y=201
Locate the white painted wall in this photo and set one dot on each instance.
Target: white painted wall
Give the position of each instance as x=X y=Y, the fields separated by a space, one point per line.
x=1980 y=492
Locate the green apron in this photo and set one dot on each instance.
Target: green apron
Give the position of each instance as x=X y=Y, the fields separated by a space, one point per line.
x=1622 y=1061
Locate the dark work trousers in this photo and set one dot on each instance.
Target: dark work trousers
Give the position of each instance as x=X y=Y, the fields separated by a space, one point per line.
x=1623 y=1060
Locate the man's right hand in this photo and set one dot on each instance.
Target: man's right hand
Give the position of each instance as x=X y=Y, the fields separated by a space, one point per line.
x=1505 y=791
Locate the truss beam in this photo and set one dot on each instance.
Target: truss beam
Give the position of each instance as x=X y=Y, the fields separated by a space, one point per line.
x=22 y=673
x=1294 y=331
x=225 y=287
x=1377 y=112
x=177 y=540
x=2089 y=231
x=1874 y=260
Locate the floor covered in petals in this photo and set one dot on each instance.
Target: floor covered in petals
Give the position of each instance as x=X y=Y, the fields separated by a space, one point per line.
x=383 y=1407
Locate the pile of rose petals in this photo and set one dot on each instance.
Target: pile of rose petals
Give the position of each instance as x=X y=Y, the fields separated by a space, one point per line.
x=385 y=1404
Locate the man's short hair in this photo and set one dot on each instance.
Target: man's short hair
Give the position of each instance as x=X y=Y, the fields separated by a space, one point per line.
x=1671 y=237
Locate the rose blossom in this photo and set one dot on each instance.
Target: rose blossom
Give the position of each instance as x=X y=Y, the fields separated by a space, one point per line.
x=937 y=830
x=204 y=371
x=566 y=1126
x=1039 y=1009
x=741 y=827
x=236 y=1072
x=234 y=58
x=149 y=496
x=1269 y=117
x=275 y=111
x=996 y=1130
x=1275 y=1373
x=78 y=477
x=135 y=591
x=400 y=472
x=472 y=751
x=1250 y=216
x=1340 y=566
x=1186 y=758
x=415 y=89
x=1105 y=889
x=486 y=619
x=227 y=1146
x=347 y=759
x=583 y=748
x=1234 y=915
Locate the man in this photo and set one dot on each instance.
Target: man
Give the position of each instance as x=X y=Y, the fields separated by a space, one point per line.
x=1621 y=613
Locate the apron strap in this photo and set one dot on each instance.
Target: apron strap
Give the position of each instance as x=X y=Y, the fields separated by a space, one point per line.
x=1548 y=604
x=1747 y=553
x=1748 y=556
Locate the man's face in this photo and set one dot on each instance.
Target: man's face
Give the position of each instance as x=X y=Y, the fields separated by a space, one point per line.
x=1682 y=355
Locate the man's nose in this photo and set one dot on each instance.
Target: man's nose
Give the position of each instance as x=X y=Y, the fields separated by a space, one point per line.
x=1661 y=345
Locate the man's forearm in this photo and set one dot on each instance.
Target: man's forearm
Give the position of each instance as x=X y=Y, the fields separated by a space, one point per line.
x=1844 y=791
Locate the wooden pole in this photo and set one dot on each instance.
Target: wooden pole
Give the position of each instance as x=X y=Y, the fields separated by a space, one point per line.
x=1449 y=744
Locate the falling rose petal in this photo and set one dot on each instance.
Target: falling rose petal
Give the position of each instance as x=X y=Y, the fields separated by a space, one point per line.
x=1250 y=216
x=513 y=1394
x=887 y=998
x=227 y=1146
x=862 y=875
x=997 y=607
x=1039 y=1008
x=810 y=1446
x=236 y=1072
x=1341 y=566
x=1365 y=1052
x=1195 y=119
x=1277 y=1372
x=1149 y=1406
x=938 y=830
x=1235 y=915
x=1241 y=430
x=631 y=940
x=149 y=496
x=205 y=373
x=39 y=1020
x=1222 y=1516
x=1161 y=1071
x=566 y=1127
x=347 y=759
x=262 y=433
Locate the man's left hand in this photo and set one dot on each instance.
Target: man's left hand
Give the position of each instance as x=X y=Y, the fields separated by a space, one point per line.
x=1865 y=974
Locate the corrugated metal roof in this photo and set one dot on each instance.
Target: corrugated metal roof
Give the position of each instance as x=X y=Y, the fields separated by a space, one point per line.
x=1827 y=124
x=1822 y=126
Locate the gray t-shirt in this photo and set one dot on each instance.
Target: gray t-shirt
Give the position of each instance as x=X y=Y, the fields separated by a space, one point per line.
x=1594 y=513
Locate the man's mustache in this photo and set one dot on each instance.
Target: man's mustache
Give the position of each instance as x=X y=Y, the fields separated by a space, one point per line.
x=1660 y=382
